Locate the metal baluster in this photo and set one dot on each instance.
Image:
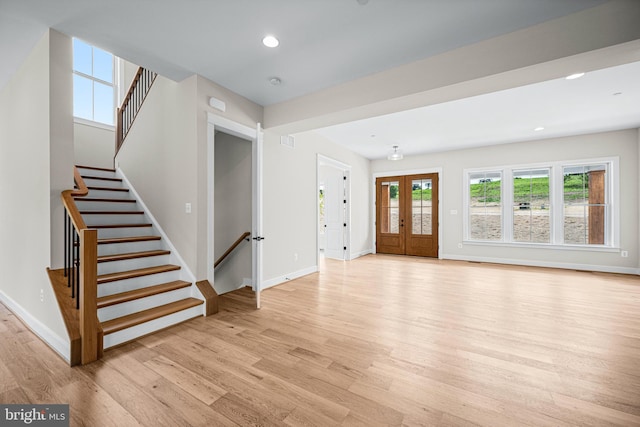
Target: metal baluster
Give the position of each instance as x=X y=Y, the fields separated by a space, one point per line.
x=78 y=272
x=66 y=242
x=72 y=272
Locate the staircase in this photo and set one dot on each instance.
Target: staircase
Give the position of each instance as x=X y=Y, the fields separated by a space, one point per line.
x=141 y=287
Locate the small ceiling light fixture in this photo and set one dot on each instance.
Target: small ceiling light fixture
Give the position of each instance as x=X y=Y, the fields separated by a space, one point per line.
x=362 y=2
x=275 y=81
x=270 y=41
x=574 y=76
x=395 y=154
x=538 y=129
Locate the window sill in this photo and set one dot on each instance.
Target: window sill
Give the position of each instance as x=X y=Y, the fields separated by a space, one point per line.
x=94 y=124
x=586 y=248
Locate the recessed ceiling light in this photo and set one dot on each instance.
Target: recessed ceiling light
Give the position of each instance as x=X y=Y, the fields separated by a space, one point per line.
x=574 y=76
x=617 y=93
x=270 y=41
x=275 y=81
x=538 y=129
x=362 y=2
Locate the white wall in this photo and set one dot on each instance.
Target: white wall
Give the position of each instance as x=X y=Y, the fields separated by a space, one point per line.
x=93 y=146
x=290 y=203
x=239 y=110
x=159 y=158
x=36 y=159
x=165 y=158
x=232 y=203
x=623 y=144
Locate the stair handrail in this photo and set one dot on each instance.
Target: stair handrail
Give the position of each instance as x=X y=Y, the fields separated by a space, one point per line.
x=133 y=100
x=81 y=269
x=235 y=244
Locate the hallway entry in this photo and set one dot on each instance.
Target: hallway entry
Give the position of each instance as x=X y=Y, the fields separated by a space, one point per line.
x=407 y=215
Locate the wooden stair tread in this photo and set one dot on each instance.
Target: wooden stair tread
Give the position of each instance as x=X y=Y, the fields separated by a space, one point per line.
x=122 y=297
x=99 y=199
x=134 y=319
x=96 y=168
x=132 y=239
x=131 y=274
x=119 y=225
x=124 y=190
x=132 y=255
x=111 y=212
x=103 y=178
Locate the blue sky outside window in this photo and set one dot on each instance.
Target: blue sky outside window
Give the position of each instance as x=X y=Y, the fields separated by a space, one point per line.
x=93 y=88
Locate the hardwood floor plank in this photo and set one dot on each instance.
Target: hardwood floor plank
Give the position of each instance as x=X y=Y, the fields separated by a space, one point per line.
x=188 y=381
x=306 y=417
x=381 y=340
x=243 y=413
x=192 y=410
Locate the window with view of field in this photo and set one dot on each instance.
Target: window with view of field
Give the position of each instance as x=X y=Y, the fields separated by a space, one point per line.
x=584 y=214
x=485 y=206
x=531 y=202
x=559 y=204
x=421 y=206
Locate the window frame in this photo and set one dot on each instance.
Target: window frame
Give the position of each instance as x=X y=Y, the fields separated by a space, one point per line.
x=115 y=77
x=556 y=208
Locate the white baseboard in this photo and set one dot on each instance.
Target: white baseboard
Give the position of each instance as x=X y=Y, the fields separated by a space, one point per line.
x=287 y=277
x=359 y=254
x=56 y=342
x=535 y=263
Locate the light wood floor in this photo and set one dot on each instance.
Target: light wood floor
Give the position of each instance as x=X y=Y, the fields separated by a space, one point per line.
x=381 y=340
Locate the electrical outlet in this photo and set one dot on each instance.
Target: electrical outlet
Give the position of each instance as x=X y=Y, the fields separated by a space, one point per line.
x=624 y=254
x=187 y=208
x=295 y=256
x=41 y=295
x=459 y=245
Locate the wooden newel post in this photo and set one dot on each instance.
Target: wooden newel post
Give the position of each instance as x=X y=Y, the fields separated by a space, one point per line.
x=88 y=295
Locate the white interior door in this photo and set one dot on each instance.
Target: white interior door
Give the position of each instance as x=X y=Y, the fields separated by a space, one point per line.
x=257 y=236
x=334 y=211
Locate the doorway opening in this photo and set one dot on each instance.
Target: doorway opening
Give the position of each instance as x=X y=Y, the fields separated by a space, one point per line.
x=232 y=212
x=333 y=190
x=234 y=204
x=407 y=215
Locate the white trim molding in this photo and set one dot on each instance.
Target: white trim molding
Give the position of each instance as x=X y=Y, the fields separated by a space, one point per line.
x=53 y=340
x=546 y=264
x=288 y=277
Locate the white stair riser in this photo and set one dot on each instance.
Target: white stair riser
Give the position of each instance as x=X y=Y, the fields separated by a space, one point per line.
x=109 y=194
x=124 y=248
x=106 y=233
x=120 y=310
x=137 y=283
x=132 y=264
x=105 y=206
x=102 y=183
x=99 y=219
x=94 y=172
x=152 y=326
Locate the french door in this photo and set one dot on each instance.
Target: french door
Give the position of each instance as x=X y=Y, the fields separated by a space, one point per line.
x=407 y=215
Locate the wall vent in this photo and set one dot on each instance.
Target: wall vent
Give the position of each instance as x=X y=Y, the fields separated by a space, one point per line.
x=287 y=141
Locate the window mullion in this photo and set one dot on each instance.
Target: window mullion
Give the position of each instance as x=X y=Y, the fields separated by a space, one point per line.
x=507 y=205
x=557 y=209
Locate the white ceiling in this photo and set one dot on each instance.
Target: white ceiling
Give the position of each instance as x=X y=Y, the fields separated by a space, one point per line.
x=323 y=42
x=328 y=42
x=601 y=100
